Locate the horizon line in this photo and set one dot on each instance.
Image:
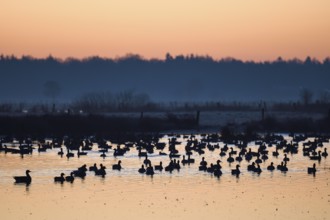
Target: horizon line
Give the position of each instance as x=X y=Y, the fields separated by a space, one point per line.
x=166 y=57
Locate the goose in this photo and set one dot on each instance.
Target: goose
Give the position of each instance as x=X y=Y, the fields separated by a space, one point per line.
x=217 y=166
x=81 y=172
x=101 y=171
x=142 y=169
x=203 y=162
x=184 y=161
x=271 y=167
x=60 y=179
x=325 y=153
x=236 y=171
x=170 y=167
x=239 y=157
x=81 y=153
x=159 y=167
x=217 y=172
x=93 y=168
x=24 y=179
x=210 y=169
x=230 y=159
x=41 y=149
x=142 y=154
x=318 y=157
x=232 y=152
x=286 y=159
x=311 y=170
x=69 y=154
x=275 y=154
x=117 y=166
x=146 y=160
x=264 y=157
x=257 y=169
x=222 y=153
x=150 y=170
x=190 y=160
x=103 y=154
x=279 y=167
x=258 y=160
x=251 y=167
x=162 y=153
x=284 y=168
x=60 y=152
x=70 y=178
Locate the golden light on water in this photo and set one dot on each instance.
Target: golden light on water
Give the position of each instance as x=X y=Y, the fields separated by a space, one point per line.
x=188 y=194
x=248 y=30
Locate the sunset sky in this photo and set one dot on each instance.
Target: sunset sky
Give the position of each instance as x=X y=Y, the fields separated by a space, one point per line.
x=243 y=29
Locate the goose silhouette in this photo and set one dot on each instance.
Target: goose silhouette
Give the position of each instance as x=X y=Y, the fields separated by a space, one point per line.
x=142 y=169
x=24 y=179
x=271 y=167
x=325 y=153
x=217 y=172
x=251 y=167
x=236 y=171
x=150 y=170
x=101 y=171
x=311 y=170
x=70 y=178
x=159 y=167
x=257 y=169
x=317 y=157
x=117 y=166
x=60 y=179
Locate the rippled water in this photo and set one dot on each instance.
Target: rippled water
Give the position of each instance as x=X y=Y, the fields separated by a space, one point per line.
x=188 y=194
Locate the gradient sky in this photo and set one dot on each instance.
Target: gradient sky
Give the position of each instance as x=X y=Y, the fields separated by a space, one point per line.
x=244 y=29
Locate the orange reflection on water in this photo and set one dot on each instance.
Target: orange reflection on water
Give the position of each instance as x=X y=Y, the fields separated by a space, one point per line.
x=188 y=194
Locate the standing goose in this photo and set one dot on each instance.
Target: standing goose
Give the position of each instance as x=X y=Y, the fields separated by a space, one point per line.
x=24 y=179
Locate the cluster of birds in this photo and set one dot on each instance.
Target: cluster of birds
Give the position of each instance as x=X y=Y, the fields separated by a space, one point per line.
x=193 y=146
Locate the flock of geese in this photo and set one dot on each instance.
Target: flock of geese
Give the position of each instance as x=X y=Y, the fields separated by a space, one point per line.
x=194 y=146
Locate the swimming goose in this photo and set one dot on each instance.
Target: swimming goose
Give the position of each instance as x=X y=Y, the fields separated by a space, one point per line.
x=24 y=179
x=142 y=169
x=70 y=178
x=325 y=153
x=236 y=171
x=159 y=167
x=150 y=170
x=60 y=179
x=271 y=167
x=117 y=166
x=311 y=170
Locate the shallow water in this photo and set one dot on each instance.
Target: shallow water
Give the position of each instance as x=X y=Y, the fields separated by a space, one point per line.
x=188 y=194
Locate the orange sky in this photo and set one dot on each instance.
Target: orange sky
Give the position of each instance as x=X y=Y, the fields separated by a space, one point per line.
x=244 y=29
